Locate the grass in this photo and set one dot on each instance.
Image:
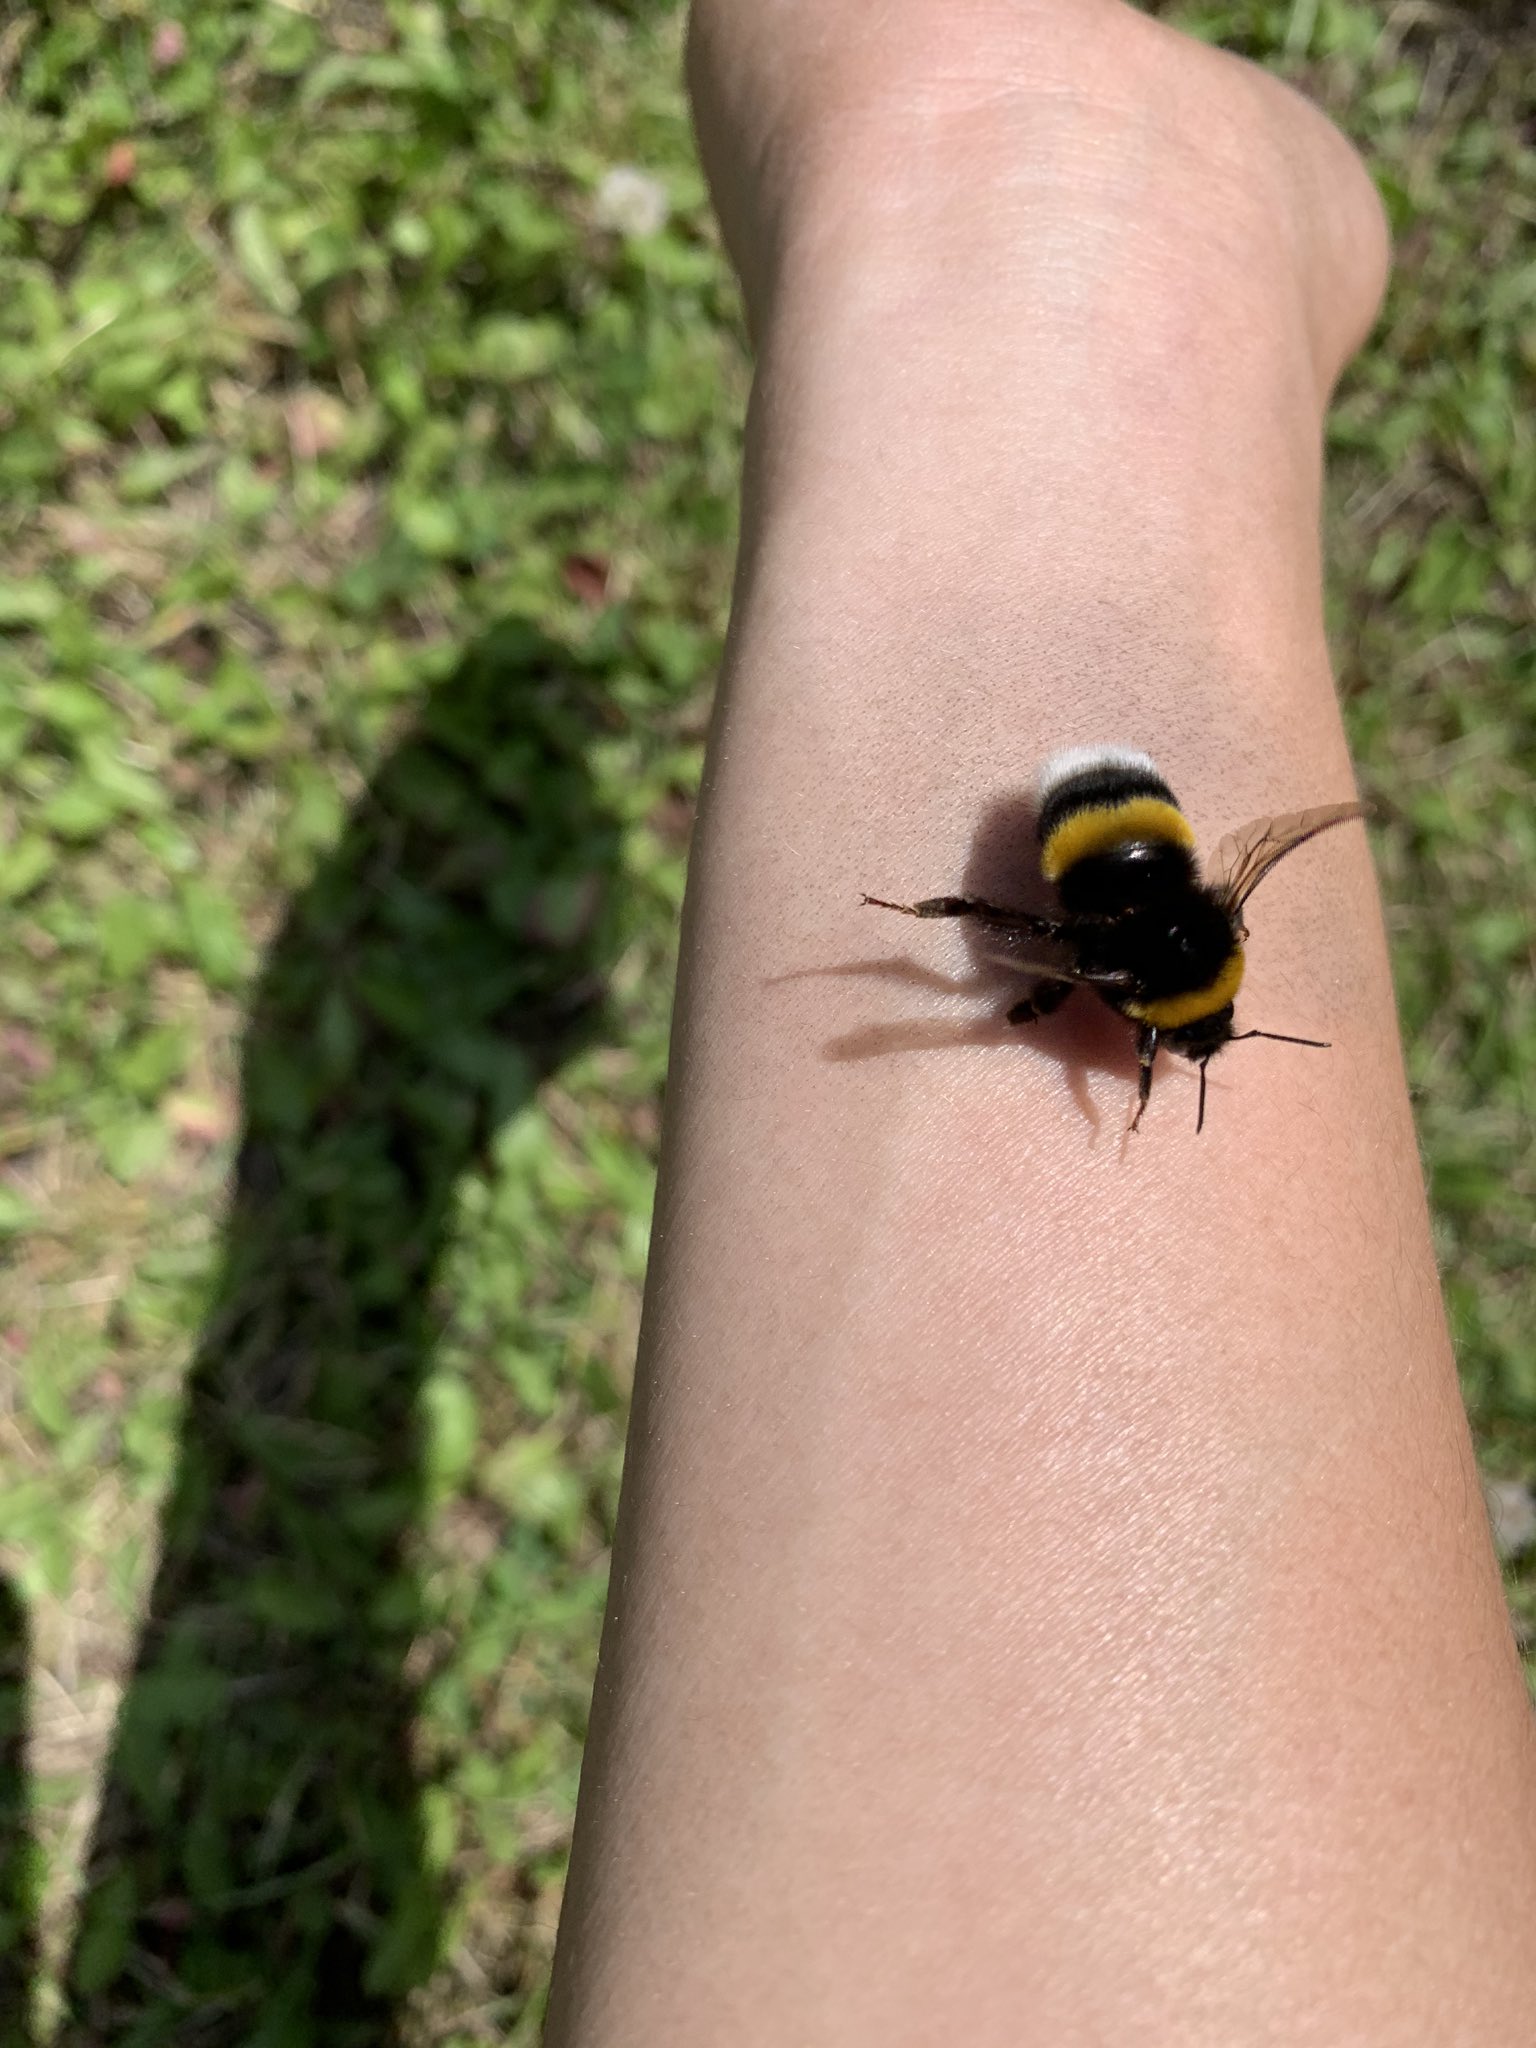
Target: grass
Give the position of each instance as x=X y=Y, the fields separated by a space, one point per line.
x=365 y=527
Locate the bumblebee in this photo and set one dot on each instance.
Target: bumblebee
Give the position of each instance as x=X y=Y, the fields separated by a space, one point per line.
x=1138 y=924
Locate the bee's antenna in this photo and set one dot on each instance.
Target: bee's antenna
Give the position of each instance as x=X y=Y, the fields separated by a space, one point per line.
x=1200 y=1119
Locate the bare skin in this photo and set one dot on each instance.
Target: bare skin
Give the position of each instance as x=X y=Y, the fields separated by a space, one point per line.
x=1053 y=1600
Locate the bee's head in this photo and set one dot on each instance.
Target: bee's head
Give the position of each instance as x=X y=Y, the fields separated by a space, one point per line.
x=1203 y=1039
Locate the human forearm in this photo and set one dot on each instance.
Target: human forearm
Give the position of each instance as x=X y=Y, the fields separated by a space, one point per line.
x=1053 y=1593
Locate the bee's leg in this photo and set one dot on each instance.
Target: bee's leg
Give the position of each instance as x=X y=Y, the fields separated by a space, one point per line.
x=1044 y=997
x=971 y=906
x=1146 y=1053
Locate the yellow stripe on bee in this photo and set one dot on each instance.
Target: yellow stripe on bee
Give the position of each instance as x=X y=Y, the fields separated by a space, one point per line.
x=1105 y=826
x=1167 y=1013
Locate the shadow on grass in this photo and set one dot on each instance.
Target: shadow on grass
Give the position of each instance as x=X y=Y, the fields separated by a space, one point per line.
x=257 y=1874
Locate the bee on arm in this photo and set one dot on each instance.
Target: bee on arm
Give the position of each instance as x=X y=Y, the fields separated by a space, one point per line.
x=1136 y=920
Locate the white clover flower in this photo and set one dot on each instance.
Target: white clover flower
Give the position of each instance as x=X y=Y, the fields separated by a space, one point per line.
x=1512 y=1511
x=631 y=202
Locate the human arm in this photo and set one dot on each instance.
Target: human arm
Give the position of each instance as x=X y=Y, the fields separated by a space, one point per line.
x=1053 y=1599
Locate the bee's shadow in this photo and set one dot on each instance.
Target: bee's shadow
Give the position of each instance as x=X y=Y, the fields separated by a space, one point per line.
x=1084 y=1037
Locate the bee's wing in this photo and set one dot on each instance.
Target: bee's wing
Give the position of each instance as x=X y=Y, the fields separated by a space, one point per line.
x=1245 y=857
x=1051 y=956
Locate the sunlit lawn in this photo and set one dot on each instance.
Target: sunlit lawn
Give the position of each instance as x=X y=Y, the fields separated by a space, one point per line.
x=367 y=459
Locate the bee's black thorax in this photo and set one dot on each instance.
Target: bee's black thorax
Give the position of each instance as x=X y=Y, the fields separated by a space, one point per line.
x=1176 y=943
x=1138 y=874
